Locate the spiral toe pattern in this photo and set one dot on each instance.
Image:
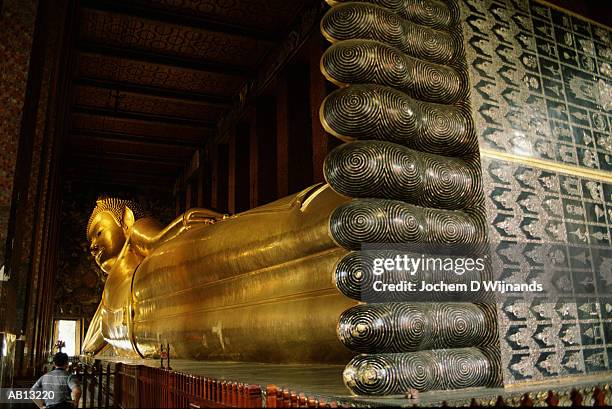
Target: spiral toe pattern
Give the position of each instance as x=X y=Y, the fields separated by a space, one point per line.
x=390 y=221
x=383 y=113
x=376 y=375
x=367 y=328
x=465 y=369
x=359 y=61
x=387 y=170
x=404 y=327
x=353 y=274
x=452 y=227
x=368 y=21
x=377 y=221
x=460 y=325
x=354 y=277
x=387 y=374
x=445 y=130
x=433 y=14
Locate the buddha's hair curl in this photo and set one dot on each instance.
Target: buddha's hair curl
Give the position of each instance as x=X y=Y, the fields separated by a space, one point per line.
x=115 y=207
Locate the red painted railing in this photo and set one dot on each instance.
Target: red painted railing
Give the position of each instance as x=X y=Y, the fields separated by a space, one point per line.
x=146 y=387
x=285 y=398
x=131 y=387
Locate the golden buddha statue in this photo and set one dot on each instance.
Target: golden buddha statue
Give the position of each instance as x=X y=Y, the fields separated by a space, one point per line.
x=211 y=285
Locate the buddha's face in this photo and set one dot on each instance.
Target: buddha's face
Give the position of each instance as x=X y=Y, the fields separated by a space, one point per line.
x=106 y=238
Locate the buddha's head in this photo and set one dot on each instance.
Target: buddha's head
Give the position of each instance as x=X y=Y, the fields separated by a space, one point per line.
x=106 y=229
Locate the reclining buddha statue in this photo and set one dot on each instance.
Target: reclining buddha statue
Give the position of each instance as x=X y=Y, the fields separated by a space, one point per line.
x=291 y=281
x=199 y=283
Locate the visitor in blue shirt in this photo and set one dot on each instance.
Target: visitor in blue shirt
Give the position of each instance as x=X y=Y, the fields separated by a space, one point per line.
x=59 y=388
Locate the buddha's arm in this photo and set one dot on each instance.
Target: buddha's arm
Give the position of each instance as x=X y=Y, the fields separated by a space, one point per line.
x=147 y=233
x=94 y=341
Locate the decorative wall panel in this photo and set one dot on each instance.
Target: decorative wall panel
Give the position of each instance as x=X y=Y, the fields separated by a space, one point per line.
x=554 y=228
x=542 y=82
x=541 y=90
x=17 y=21
x=40 y=175
x=16 y=30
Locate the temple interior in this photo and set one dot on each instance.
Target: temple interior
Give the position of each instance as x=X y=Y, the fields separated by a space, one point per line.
x=176 y=105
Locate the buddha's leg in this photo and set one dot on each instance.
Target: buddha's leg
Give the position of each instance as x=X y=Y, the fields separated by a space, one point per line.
x=255 y=287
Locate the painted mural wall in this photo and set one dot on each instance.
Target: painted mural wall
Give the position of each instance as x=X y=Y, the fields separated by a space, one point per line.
x=542 y=104
x=17 y=20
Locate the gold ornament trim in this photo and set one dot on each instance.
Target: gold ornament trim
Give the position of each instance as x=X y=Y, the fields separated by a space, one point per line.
x=599 y=175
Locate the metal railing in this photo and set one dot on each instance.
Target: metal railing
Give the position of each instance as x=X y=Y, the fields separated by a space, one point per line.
x=97 y=385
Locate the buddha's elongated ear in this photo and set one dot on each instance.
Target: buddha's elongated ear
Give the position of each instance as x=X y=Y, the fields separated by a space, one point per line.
x=128 y=219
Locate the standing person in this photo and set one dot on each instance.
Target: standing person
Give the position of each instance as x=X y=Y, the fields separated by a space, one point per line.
x=62 y=388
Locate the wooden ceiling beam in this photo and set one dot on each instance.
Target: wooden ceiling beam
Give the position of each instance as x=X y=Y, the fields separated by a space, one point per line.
x=149 y=159
x=116 y=162
x=161 y=151
x=79 y=168
x=215 y=100
x=142 y=117
x=120 y=179
x=131 y=180
x=144 y=139
x=151 y=57
x=105 y=174
x=167 y=16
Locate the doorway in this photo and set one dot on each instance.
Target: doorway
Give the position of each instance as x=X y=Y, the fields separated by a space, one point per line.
x=69 y=332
